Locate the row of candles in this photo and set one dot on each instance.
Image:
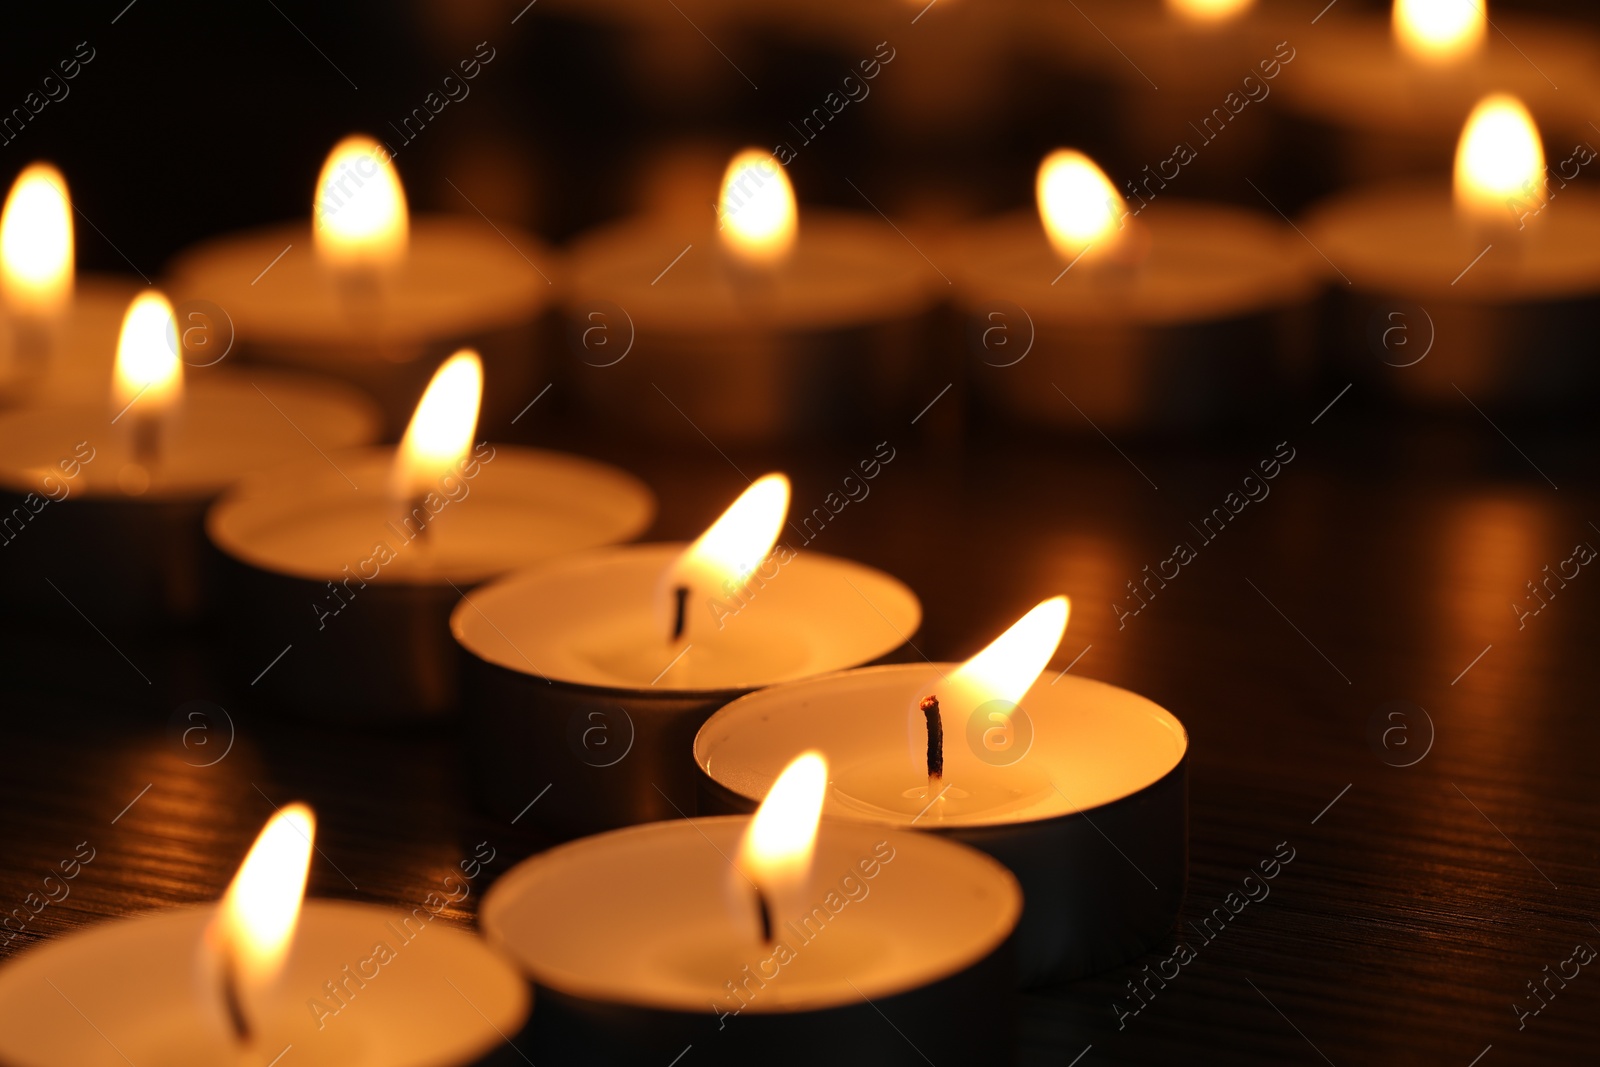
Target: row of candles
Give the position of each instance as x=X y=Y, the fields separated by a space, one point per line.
x=972 y=803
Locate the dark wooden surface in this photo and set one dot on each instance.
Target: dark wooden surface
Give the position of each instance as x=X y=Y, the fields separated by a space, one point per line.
x=1420 y=899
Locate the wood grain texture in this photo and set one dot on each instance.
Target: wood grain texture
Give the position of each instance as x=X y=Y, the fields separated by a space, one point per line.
x=1420 y=898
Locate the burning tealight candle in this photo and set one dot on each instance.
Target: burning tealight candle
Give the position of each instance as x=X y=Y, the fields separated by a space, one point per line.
x=57 y=334
x=1380 y=100
x=119 y=487
x=598 y=700
x=240 y=983
x=1080 y=788
x=1489 y=288
x=373 y=296
x=917 y=934
x=348 y=566
x=1133 y=312
x=767 y=324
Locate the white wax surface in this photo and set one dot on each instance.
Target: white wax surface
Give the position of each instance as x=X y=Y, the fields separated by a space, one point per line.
x=1205 y=262
x=139 y=982
x=231 y=424
x=1407 y=239
x=459 y=277
x=522 y=506
x=845 y=270
x=655 y=916
x=1092 y=744
x=592 y=620
x=83 y=349
x=1354 y=75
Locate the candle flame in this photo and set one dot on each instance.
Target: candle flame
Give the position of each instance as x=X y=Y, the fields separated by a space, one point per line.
x=1012 y=662
x=257 y=916
x=1078 y=205
x=440 y=432
x=359 y=214
x=36 y=242
x=757 y=209
x=776 y=850
x=1210 y=11
x=1440 y=31
x=723 y=558
x=148 y=369
x=1498 y=160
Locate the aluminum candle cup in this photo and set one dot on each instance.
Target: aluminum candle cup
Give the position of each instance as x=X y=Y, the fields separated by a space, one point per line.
x=355 y=591
x=1212 y=325
x=133 y=991
x=460 y=283
x=825 y=338
x=643 y=941
x=1084 y=798
x=575 y=697
x=121 y=537
x=1513 y=328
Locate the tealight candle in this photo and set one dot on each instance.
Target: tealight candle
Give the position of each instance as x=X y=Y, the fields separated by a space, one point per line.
x=764 y=326
x=1161 y=314
x=57 y=334
x=118 y=492
x=240 y=983
x=370 y=295
x=1490 y=291
x=916 y=934
x=1379 y=100
x=588 y=677
x=349 y=566
x=1079 y=787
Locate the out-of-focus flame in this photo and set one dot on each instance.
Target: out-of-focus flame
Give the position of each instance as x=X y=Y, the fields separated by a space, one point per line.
x=440 y=432
x=148 y=371
x=758 y=216
x=36 y=242
x=775 y=852
x=359 y=218
x=257 y=917
x=1440 y=31
x=1208 y=11
x=1499 y=160
x=724 y=557
x=1078 y=205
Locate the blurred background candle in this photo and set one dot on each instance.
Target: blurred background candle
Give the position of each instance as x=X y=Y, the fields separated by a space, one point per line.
x=753 y=323
x=1488 y=287
x=1040 y=776
x=599 y=699
x=232 y=984
x=375 y=297
x=349 y=565
x=916 y=929
x=103 y=501
x=1145 y=312
x=58 y=332
x=1375 y=99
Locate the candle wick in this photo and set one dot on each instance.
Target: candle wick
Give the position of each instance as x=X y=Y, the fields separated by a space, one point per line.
x=930 y=711
x=146 y=440
x=764 y=912
x=32 y=341
x=681 y=593
x=232 y=1001
x=416 y=503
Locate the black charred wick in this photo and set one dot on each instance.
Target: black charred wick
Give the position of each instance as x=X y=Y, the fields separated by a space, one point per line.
x=930 y=711
x=233 y=1002
x=764 y=911
x=681 y=616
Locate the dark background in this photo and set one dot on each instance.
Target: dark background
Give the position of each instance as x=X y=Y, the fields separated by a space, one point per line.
x=1383 y=568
